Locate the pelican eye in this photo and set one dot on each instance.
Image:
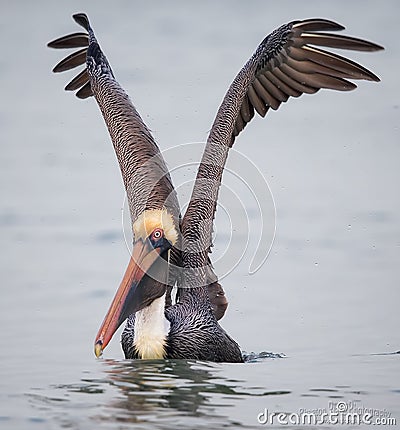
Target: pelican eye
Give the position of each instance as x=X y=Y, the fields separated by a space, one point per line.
x=157 y=234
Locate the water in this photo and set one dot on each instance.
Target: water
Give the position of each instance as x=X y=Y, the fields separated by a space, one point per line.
x=327 y=296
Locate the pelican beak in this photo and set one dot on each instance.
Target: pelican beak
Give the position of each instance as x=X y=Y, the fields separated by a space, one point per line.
x=128 y=299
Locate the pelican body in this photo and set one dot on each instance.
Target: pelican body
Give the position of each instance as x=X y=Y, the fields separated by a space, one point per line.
x=171 y=251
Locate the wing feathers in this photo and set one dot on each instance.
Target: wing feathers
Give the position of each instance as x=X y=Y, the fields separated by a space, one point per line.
x=73 y=60
x=265 y=95
x=246 y=110
x=256 y=101
x=85 y=92
x=335 y=41
x=74 y=40
x=77 y=58
x=307 y=66
x=78 y=81
x=341 y=64
x=287 y=66
x=284 y=65
x=317 y=24
x=317 y=80
x=273 y=89
x=295 y=84
x=282 y=86
x=245 y=116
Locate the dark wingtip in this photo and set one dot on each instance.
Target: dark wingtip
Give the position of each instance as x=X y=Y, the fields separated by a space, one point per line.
x=82 y=20
x=376 y=47
x=318 y=24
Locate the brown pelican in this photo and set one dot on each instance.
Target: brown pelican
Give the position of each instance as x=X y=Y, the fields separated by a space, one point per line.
x=288 y=62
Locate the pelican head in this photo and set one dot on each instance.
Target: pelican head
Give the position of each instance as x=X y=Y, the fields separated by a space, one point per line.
x=146 y=276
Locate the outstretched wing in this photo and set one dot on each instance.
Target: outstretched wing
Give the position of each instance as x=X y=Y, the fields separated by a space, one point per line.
x=144 y=172
x=287 y=63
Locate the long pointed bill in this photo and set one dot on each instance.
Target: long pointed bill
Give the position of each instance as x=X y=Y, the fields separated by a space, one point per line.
x=143 y=256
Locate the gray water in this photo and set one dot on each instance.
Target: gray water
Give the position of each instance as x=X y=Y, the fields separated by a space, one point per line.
x=327 y=297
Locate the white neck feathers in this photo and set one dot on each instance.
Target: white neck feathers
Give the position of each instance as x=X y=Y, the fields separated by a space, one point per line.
x=150 y=330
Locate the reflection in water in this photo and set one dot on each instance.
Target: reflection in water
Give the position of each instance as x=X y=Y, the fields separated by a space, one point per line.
x=174 y=385
x=152 y=392
x=170 y=387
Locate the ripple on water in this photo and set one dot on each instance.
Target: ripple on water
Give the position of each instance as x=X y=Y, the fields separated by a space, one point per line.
x=252 y=357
